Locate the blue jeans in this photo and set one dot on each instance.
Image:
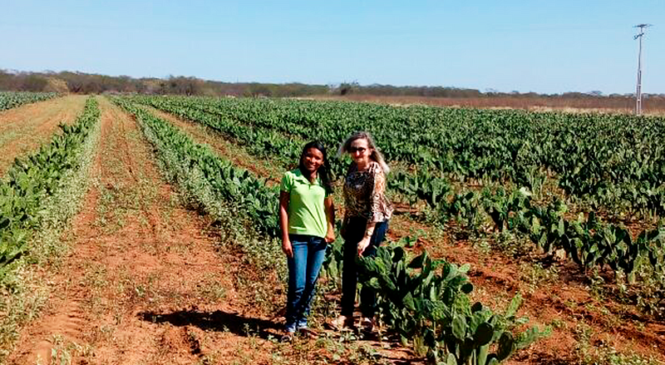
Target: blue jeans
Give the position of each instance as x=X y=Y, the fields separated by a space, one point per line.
x=355 y=230
x=304 y=267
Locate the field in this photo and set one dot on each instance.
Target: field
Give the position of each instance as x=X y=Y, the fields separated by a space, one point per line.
x=620 y=105
x=145 y=231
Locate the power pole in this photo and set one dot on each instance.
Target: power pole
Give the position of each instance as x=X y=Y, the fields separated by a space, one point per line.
x=638 y=92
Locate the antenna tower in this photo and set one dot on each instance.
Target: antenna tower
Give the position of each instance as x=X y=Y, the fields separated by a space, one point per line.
x=638 y=91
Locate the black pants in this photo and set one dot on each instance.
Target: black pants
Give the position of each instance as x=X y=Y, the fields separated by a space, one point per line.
x=355 y=230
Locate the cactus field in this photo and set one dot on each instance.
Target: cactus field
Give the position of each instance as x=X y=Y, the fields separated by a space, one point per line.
x=144 y=230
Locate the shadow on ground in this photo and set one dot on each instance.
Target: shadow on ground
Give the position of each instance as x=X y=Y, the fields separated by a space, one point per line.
x=248 y=326
x=216 y=321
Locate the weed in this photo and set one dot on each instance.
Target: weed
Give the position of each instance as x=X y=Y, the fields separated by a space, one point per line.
x=604 y=353
x=210 y=288
x=597 y=283
x=63 y=352
x=513 y=243
x=535 y=275
x=483 y=246
x=558 y=323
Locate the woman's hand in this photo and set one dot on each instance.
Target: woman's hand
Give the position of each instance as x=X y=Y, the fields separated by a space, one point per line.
x=330 y=236
x=287 y=248
x=362 y=245
x=284 y=223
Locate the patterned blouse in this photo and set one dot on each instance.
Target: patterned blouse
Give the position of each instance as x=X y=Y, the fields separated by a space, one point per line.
x=364 y=194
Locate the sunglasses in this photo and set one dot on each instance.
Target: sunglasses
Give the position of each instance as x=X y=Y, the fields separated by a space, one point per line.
x=357 y=149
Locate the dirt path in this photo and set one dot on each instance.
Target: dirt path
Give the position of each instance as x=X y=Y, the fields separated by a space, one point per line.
x=25 y=128
x=230 y=151
x=143 y=283
x=562 y=300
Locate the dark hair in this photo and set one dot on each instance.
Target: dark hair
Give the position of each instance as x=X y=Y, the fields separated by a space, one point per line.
x=324 y=170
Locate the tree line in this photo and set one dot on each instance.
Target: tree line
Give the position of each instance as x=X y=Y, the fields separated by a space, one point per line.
x=86 y=83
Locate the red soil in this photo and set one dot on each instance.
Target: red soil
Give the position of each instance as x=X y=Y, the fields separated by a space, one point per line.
x=25 y=128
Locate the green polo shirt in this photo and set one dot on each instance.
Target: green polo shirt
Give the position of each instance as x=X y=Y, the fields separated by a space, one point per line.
x=307 y=213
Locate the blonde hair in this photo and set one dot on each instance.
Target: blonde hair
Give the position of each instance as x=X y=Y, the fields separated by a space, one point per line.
x=376 y=153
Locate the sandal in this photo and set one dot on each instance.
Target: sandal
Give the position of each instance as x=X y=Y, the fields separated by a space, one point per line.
x=308 y=332
x=287 y=337
x=340 y=323
x=367 y=324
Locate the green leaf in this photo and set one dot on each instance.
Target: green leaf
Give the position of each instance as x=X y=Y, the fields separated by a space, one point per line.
x=506 y=346
x=408 y=302
x=561 y=228
x=484 y=334
x=433 y=293
x=515 y=303
x=482 y=354
x=459 y=327
x=418 y=262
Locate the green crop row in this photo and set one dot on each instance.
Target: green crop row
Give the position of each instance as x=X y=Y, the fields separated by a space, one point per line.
x=31 y=180
x=607 y=161
x=258 y=141
x=259 y=203
x=10 y=100
x=589 y=241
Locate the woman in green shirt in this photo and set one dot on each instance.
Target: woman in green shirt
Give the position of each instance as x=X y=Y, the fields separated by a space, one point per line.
x=306 y=218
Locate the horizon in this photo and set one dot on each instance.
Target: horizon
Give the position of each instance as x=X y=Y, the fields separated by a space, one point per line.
x=595 y=93
x=554 y=48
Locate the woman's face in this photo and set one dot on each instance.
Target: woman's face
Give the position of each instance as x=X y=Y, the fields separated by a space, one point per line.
x=360 y=151
x=312 y=159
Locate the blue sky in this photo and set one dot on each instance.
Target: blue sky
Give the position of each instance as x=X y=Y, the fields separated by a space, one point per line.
x=541 y=46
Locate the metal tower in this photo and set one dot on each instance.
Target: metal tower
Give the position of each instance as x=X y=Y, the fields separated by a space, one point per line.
x=638 y=92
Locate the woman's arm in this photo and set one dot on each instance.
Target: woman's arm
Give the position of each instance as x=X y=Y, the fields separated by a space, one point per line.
x=284 y=223
x=377 y=182
x=369 y=231
x=330 y=217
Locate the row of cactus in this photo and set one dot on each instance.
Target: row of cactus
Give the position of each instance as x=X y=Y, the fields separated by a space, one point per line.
x=427 y=302
x=587 y=240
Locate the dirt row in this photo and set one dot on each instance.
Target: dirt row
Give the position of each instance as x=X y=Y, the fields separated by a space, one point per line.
x=579 y=317
x=144 y=282
x=25 y=128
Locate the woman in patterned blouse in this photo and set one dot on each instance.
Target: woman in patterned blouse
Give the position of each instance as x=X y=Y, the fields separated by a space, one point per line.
x=365 y=222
